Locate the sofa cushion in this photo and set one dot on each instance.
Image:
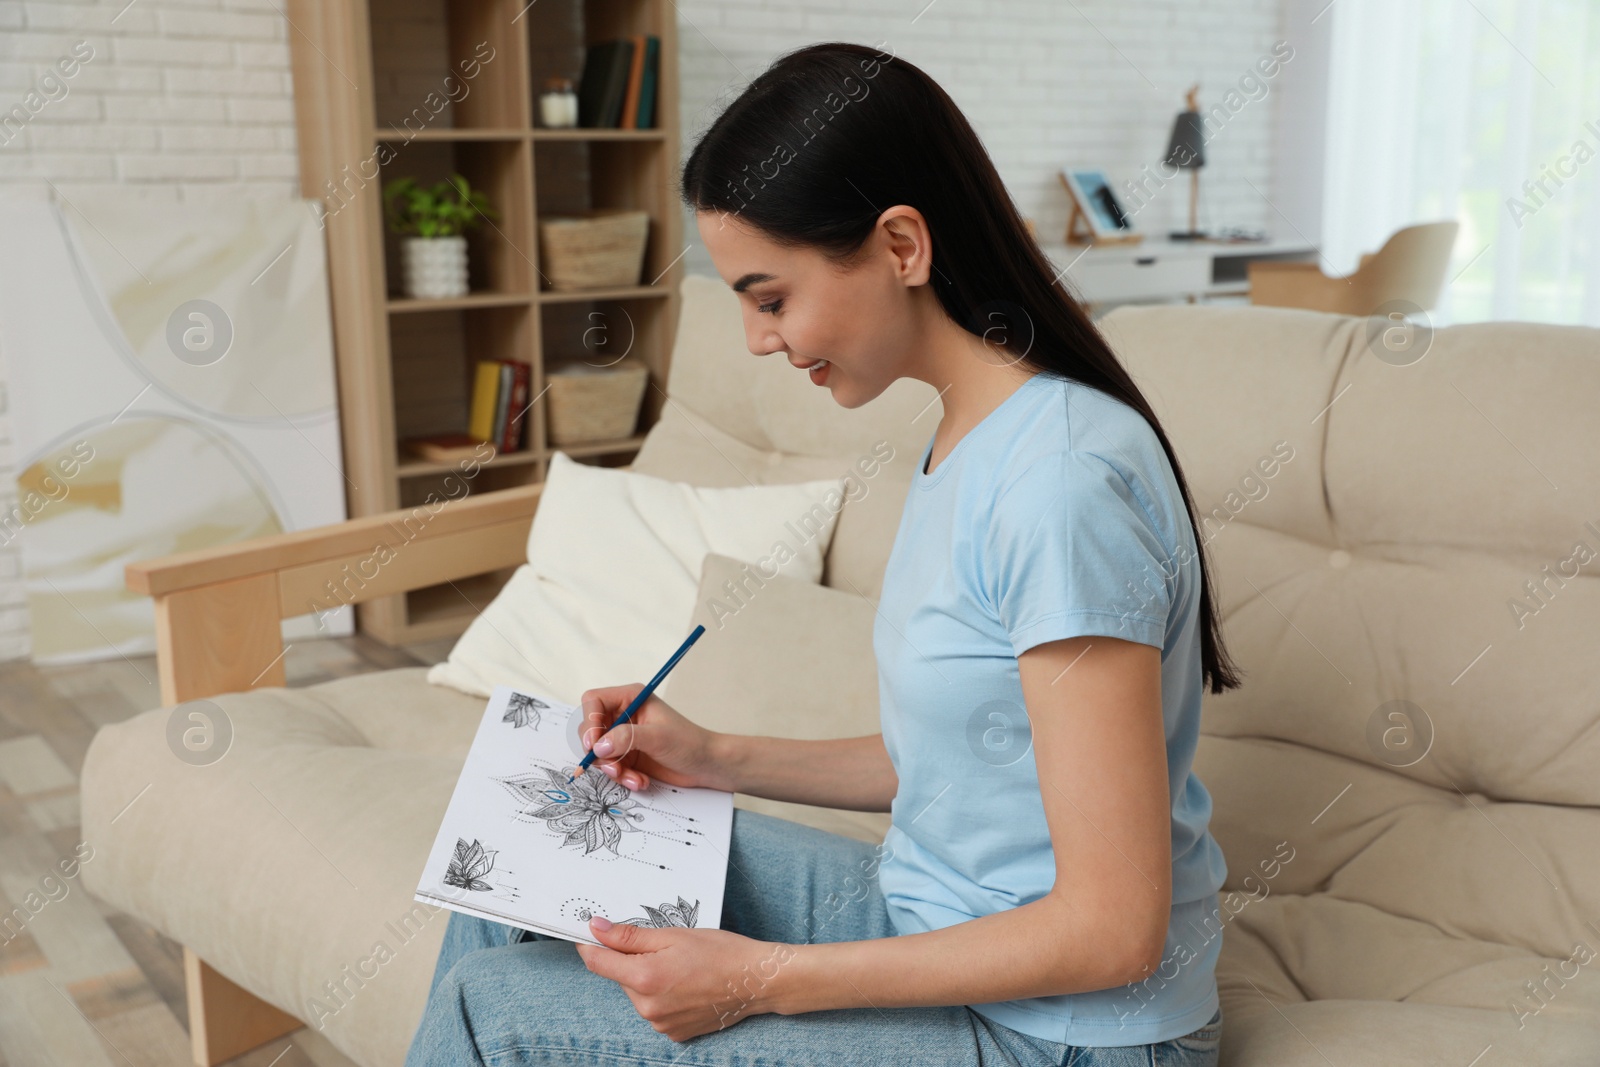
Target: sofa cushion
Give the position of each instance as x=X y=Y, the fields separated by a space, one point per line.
x=782 y=658
x=613 y=561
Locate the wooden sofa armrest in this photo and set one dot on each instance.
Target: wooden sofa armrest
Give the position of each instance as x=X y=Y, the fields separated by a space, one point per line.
x=217 y=613
x=218 y=610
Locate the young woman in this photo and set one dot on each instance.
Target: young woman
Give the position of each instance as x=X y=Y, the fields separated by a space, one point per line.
x=1047 y=891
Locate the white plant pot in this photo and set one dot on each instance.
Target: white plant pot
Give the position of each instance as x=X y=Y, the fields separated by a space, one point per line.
x=434 y=267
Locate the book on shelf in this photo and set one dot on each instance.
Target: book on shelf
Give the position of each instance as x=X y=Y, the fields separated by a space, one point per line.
x=502 y=400
x=511 y=437
x=630 y=95
x=446 y=447
x=647 y=90
x=618 y=86
x=604 y=80
x=486 y=380
x=499 y=402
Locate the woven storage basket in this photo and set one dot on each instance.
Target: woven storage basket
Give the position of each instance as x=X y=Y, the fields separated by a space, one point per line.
x=604 y=247
x=589 y=403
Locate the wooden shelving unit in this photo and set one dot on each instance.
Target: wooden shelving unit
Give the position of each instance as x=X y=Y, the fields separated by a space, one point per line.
x=420 y=88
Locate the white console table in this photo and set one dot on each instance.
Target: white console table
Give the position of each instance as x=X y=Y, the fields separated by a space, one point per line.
x=1162 y=270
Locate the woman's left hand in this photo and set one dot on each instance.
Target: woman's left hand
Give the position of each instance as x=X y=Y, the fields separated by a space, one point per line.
x=687 y=982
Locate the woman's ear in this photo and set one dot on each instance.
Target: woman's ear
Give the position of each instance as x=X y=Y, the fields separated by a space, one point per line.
x=910 y=243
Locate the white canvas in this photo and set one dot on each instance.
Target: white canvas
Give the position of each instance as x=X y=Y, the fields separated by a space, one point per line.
x=171 y=377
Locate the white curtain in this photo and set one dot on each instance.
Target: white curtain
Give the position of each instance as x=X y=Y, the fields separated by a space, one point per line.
x=1485 y=111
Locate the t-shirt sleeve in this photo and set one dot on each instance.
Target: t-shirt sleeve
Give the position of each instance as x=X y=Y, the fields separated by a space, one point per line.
x=1072 y=551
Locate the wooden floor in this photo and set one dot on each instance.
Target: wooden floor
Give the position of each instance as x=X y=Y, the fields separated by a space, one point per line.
x=84 y=985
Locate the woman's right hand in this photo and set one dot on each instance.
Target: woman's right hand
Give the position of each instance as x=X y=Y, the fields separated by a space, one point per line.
x=656 y=743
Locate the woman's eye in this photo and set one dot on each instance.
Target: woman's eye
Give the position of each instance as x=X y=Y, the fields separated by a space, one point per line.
x=769 y=308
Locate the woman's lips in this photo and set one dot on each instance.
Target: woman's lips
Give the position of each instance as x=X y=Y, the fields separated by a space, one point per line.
x=817 y=369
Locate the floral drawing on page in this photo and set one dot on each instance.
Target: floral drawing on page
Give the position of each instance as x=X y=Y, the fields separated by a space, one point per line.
x=470 y=864
x=592 y=812
x=680 y=914
x=524 y=710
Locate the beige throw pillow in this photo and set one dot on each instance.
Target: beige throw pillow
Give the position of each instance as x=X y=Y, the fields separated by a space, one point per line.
x=613 y=562
x=782 y=658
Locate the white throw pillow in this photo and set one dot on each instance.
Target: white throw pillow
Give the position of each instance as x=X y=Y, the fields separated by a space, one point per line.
x=613 y=565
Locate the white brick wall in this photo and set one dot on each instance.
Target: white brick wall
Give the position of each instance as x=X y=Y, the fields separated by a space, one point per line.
x=190 y=99
x=1045 y=83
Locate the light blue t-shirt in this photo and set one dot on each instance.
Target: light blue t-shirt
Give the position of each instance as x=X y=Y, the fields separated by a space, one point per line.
x=1057 y=515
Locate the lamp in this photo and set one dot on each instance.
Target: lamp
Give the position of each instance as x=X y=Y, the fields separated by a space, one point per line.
x=1186 y=149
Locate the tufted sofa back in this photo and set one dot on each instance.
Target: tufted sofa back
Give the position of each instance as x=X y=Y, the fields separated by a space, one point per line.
x=1414 y=599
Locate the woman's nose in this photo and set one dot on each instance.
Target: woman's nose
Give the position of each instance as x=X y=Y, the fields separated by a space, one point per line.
x=764 y=343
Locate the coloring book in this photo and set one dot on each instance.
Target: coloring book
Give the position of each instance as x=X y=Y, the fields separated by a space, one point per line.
x=522 y=846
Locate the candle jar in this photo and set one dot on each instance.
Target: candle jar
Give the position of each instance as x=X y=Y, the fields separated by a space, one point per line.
x=558 y=104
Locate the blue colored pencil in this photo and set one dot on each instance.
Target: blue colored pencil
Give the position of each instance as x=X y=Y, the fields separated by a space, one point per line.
x=638 y=701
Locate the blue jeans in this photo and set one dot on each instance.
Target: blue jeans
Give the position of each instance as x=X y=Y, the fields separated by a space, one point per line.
x=502 y=996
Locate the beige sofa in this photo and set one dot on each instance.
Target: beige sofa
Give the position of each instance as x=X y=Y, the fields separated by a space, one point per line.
x=1371 y=526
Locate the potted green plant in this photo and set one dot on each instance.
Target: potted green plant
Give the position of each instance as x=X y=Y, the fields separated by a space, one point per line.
x=432 y=221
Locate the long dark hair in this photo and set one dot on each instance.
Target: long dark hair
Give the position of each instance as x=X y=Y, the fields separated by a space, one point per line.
x=829 y=135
